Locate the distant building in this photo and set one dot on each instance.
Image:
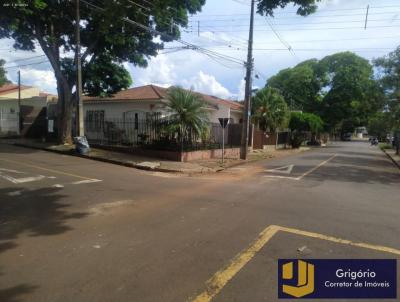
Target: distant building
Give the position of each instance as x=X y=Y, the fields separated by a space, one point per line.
x=30 y=117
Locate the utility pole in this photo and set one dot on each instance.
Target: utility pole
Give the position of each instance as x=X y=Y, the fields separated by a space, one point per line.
x=366 y=18
x=79 y=112
x=247 y=97
x=19 y=103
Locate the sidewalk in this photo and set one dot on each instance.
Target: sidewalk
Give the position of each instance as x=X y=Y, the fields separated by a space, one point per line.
x=152 y=164
x=391 y=153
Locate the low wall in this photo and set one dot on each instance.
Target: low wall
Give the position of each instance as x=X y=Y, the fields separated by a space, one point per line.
x=174 y=155
x=208 y=154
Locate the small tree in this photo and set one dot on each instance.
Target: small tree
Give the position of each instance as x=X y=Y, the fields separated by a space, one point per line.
x=187 y=114
x=300 y=123
x=270 y=109
x=3 y=78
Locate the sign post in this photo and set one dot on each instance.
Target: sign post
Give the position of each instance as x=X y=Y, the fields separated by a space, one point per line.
x=224 y=122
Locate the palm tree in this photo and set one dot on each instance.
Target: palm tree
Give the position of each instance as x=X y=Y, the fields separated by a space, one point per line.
x=270 y=109
x=187 y=116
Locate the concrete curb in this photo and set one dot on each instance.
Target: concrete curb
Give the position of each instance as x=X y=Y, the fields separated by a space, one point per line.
x=101 y=159
x=391 y=158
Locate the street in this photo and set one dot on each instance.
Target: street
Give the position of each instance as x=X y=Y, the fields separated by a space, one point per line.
x=73 y=229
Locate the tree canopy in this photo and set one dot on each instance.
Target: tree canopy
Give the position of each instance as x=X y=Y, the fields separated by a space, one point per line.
x=305 y=7
x=107 y=40
x=3 y=77
x=389 y=76
x=187 y=113
x=338 y=88
x=270 y=111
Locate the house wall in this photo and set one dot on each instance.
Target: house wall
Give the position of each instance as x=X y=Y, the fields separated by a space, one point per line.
x=222 y=112
x=25 y=93
x=236 y=116
x=116 y=110
x=8 y=106
x=32 y=113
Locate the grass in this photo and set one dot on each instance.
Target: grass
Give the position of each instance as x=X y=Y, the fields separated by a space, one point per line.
x=385 y=146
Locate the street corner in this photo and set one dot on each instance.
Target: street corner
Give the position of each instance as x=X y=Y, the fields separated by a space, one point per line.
x=254 y=274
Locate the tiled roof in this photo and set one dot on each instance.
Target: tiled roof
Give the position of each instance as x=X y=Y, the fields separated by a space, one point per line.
x=153 y=92
x=10 y=88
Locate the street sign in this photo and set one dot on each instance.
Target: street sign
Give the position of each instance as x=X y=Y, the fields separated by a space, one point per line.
x=224 y=122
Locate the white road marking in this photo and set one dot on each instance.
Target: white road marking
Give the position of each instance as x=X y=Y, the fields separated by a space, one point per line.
x=282 y=177
x=58 y=186
x=88 y=181
x=12 y=171
x=284 y=170
x=15 y=193
x=306 y=173
x=22 y=180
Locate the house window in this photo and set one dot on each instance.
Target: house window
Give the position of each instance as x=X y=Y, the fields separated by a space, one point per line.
x=95 y=120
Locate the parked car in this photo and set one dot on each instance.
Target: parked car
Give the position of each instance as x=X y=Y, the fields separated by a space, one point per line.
x=347 y=137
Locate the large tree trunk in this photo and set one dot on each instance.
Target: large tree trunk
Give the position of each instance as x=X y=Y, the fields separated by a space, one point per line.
x=64 y=112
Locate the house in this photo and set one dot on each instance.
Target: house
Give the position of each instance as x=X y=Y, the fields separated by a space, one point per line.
x=141 y=102
x=126 y=117
x=31 y=109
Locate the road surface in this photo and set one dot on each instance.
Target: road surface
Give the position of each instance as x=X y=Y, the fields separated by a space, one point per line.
x=78 y=230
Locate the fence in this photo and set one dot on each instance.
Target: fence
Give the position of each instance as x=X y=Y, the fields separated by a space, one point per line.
x=9 y=124
x=156 y=133
x=276 y=139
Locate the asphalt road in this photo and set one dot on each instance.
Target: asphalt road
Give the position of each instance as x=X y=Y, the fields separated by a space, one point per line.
x=78 y=230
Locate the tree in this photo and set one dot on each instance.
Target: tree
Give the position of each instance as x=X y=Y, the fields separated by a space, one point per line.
x=270 y=109
x=389 y=76
x=301 y=123
x=186 y=113
x=306 y=7
x=3 y=78
x=380 y=125
x=301 y=85
x=389 y=72
x=353 y=93
x=107 y=40
x=339 y=88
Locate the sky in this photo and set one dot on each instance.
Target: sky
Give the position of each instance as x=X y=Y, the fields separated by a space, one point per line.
x=222 y=27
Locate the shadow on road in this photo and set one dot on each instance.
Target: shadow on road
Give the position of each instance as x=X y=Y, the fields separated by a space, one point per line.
x=37 y=212
x=12 y=294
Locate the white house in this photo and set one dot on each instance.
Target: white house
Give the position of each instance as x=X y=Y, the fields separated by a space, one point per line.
x=33 y=102
x=125 y=116
x=141 y=101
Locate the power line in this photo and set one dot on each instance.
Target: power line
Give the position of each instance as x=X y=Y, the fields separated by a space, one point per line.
x=236 y=17
x=25 y=59
x=283 y=41
x=311 y=23
x=305 y=29
x=295 y=11
x=18 y=66
x=189 y=45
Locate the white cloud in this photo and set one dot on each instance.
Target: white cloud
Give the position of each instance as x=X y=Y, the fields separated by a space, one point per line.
x=207 y=84
x=43 y=79
x=241 y=89
x=160 y=71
